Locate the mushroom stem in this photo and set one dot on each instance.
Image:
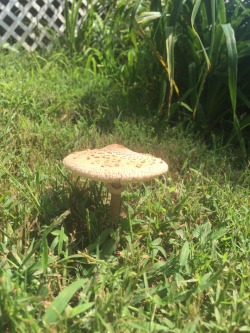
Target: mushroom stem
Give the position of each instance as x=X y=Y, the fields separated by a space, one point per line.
x=115 y=203
x=115 y=206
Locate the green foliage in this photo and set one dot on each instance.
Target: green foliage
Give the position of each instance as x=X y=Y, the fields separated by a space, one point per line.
x=179 y=259
x=102 y=39
x=72 y=24
x=200 y=48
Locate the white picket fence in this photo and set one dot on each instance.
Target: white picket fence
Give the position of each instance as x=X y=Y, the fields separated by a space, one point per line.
x=30 y=22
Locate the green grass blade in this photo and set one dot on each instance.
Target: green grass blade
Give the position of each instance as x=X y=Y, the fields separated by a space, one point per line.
x=53 y=225
x=170 y=41
x=135 y=9
x=195 y=11
x=184 y=254
x=61 y=301
x=80 y=309
x=45 y=255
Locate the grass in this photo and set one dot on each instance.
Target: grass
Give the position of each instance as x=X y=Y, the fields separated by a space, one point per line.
x=179 y=259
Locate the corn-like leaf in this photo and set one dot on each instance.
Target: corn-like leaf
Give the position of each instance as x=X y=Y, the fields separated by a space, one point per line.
x=232 y=61
x=232 y=78
x=221 y=11
x=213 y=27
x=195 y=11
x=193 y=17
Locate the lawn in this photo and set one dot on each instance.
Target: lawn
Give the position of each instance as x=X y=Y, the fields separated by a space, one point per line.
x=178 y=258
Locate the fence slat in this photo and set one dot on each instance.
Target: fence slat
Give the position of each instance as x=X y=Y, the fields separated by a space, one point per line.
x=28 y=22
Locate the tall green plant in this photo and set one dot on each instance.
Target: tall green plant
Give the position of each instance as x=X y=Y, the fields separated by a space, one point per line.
x=101 y=41
x=72 y=24
x=161 y=41
x=197 y=46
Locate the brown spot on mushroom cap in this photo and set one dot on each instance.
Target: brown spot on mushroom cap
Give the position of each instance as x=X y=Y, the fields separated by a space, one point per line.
x=115 y=163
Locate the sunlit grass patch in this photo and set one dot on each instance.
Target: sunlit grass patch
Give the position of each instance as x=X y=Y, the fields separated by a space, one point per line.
x=177 y=260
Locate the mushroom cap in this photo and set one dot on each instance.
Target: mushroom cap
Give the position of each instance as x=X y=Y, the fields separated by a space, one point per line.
x=115 y=164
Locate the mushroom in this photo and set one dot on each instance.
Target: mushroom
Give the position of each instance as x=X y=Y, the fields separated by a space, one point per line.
x=115 y=165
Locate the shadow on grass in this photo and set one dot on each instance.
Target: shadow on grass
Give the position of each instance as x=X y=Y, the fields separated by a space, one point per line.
x=105 y=101
x=87 y=225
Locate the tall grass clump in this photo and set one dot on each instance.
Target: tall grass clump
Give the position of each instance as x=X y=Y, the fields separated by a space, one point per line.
x=101 y=39
x=202 y=50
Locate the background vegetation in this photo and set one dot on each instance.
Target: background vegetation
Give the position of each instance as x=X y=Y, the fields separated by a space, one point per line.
x=196 y=55
x=146 y=75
